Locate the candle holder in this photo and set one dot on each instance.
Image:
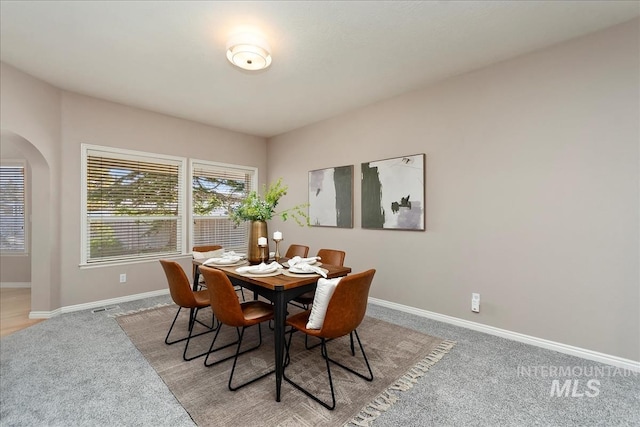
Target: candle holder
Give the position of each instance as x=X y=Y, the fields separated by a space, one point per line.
x=263 y=253
x=277 y=248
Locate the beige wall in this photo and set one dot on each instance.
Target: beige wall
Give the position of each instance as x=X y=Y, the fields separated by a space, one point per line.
x=532 y=189
x=92 y=121
x=48 y=126
x=532 y=193
x=30 y=119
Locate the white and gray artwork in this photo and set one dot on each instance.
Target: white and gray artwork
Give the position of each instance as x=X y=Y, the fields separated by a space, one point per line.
x=393 y=193
x=331 y=197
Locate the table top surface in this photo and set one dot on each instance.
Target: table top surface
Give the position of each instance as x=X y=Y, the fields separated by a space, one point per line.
x=280 y=282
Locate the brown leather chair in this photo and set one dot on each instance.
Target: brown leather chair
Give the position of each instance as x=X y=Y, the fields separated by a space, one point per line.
x=207 y=249
x=327 y=256
x=229 y=311
x=297 y=250
x=204 y=249
x=185 y=297
x=345 y=312
x=332 y=256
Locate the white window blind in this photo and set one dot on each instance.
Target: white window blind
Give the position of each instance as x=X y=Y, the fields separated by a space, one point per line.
x=216 y=188
x=134 y=205
x=12 y=221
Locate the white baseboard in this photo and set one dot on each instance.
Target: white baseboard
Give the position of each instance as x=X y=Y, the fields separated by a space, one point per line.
x=503 y=333
x=95 y=304
x=616 y=361
x=15 y=284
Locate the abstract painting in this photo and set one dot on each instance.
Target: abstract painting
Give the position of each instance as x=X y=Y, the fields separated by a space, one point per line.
x=393 y=195
x=331 y=197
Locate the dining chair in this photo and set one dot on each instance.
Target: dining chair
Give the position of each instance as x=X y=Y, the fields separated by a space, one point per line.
x=327 y=256
x=206 y=248
x=346 y=308
x=209 y=248
x=297 y=250
x=184 y=297
x=231 y=312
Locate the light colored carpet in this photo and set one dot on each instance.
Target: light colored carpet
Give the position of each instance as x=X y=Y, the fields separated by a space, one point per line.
x=398 y=357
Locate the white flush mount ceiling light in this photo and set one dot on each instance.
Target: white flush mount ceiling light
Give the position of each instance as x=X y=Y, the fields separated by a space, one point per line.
x=248 y=52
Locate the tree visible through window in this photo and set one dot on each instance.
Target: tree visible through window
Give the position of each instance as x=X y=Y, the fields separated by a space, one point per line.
x=12 y=208
x=215 y=188
x=134 y=205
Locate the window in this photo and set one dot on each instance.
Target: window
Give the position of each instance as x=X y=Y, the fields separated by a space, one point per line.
x=12 y=208
x=133 y=205
x=215 y=188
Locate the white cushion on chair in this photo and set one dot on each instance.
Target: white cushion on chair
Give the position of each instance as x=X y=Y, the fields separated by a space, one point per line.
x=324 y=291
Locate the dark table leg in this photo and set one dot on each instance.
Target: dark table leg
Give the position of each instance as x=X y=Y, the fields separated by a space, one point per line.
x=280 y=316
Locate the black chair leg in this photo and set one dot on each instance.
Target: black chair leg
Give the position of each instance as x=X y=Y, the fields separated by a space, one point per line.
x=302 y=389
x=370 y=376
x=189 y=336
x=325 y=355
x=306 y=344
x=212 y=350
x=238 y=342
x=353 y=351
x=166 y=339
x=235 y=360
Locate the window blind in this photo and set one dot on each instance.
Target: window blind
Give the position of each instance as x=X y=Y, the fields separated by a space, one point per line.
x=134 y=206
x=215 y=189
x=12 y=208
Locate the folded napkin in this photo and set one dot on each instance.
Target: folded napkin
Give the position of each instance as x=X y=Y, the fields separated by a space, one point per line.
x=233 y=254
x=299 y=260
x=223 y=260
x=305 y=268
x=260 y=268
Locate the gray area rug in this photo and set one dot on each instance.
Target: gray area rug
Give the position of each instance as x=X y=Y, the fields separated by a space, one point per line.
x=398 y=357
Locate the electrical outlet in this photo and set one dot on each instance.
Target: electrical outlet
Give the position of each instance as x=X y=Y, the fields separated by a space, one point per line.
x=475 y=303
x=123 y=278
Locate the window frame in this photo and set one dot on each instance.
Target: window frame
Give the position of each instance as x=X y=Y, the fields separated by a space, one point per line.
x=120 y=153
x=21 y=163
x=193 y=163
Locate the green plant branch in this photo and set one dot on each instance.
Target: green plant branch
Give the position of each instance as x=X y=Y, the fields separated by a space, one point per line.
x=254 y=208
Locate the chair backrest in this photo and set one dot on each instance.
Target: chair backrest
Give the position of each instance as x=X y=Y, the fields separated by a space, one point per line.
x=332 y=256
x=179 y=285
x=223 y=297
x=207 y=248
x=348 y=305
x=297 y=250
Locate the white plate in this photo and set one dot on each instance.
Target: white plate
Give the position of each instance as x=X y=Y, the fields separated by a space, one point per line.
x=256 y=271
x=273 y=273
x=305 y=274
x=237 y=263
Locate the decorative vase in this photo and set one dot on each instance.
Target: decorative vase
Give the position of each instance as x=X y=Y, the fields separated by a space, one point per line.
x=254 y=252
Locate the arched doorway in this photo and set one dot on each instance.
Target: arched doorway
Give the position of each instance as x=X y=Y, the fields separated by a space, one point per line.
x=43 y=294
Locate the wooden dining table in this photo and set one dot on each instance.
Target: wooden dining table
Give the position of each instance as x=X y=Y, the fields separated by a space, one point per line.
x=279 y=290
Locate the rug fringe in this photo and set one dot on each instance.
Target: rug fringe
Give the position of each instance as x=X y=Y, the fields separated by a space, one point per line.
x=387 y=398
x=124 y=313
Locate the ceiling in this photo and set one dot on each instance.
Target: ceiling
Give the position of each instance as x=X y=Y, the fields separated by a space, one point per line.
x=329 y=57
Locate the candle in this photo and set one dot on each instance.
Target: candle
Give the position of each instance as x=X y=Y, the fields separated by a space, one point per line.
x=262 y=241
x=277 y=235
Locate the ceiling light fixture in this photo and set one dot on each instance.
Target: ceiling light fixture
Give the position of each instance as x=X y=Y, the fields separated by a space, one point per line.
x=248 y=52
